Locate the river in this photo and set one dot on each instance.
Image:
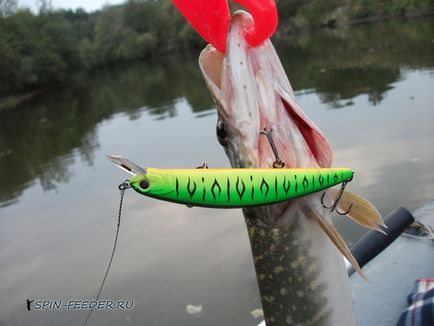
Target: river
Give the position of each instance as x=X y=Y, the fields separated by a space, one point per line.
x=370 y=88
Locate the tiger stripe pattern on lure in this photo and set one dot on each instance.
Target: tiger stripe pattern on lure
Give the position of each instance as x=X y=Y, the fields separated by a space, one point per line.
x=233 y=188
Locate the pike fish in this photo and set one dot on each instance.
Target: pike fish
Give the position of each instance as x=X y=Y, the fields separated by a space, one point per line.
x=301 y=275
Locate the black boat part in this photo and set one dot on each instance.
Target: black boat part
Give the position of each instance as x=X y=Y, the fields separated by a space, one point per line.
x=373 y=242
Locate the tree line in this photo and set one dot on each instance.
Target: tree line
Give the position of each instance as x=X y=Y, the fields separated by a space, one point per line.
x=47 y=47
x=36 y=49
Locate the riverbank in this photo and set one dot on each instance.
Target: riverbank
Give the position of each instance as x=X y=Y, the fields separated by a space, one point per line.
x=408 y=16
x=50 y=47
x=11 y=100
x=330 y=15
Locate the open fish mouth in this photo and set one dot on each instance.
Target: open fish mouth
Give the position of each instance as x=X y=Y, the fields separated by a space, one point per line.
x=253 y=94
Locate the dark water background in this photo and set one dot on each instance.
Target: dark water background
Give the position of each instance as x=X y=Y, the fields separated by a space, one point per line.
x=370 y=88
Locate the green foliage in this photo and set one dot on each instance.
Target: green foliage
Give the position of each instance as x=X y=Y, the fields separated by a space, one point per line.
x=317 y=13
x=298 y=14
x=367 y=8
x=8 y=7
x=49 y=47
x=141 y=16
x=39 y=49
x=7 y=61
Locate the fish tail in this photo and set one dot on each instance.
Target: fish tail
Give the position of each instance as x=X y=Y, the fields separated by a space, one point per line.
x=362 y=211
x=336 y=238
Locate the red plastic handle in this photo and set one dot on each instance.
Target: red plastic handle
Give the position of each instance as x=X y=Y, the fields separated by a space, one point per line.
x=264 y=14
x=211 y=18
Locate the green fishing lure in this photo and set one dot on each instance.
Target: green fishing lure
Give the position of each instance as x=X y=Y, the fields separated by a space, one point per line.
x=229 y=188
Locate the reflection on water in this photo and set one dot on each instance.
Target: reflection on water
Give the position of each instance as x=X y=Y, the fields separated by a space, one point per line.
x=35 y=138
x=358 y=60
x=58 y=198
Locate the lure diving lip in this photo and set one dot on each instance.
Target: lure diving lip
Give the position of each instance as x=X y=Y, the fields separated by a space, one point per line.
x=126 y=164
x=230 y=188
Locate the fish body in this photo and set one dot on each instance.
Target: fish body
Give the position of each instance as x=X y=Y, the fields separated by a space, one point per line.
x=301 y=275
x=233 y=188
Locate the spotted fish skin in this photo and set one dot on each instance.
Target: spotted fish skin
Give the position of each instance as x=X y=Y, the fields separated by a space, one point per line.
x=252 y=92
x=296 y=273
x=285 y=271
x=233 y=188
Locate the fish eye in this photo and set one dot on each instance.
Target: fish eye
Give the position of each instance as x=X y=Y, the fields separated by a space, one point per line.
x=222 y=133
x=144 y=184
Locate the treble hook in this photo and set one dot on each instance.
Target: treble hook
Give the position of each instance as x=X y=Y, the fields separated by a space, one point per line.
x=337 y=199
x=278 y=163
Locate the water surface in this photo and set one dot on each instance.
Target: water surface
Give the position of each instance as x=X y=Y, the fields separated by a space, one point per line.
x=368 y=87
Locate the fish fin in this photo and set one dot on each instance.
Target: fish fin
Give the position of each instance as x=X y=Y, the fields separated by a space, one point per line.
x=362 y=211
x=336 y=238
x=315 y=139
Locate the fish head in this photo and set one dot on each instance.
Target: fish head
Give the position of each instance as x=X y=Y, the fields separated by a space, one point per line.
x=252 y=93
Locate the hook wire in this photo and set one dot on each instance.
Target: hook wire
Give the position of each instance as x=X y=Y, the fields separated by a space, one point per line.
x=122 y=187
x=278 y=163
